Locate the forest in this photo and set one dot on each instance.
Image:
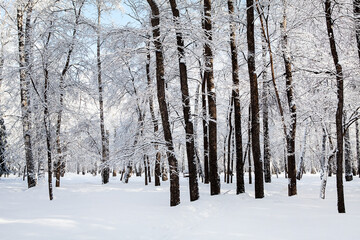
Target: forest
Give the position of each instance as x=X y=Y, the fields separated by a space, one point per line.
x=228 y=95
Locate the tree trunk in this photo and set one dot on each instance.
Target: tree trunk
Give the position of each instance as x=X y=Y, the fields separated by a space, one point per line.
x=348 y=155
x=145 y=170
x=265 y=108
x=240 y=184
x=46 y=113
x=205 y=131
x=196 y=113
x=209 y=77
x=23 y=45
x=248 y=149
x=189 y=127
x=301 y=166
x=255 y=126
x=59 y=164
x=153 y=118
x=229 y=139
x=3 y=168
x=105 y=171
x=160 y=79
x=291 y=102
x=340 y=108
x=325 y=166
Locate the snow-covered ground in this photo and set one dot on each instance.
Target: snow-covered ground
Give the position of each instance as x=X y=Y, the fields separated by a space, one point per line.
x=85 y=209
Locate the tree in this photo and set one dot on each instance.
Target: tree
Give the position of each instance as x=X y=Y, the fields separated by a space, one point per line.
x=46 y=112
x=340 y=107
x=3 y=168
x=255 y=126
x=105 y=170
x=240 y=186
x=290 y=138
x=59 y=164
x=153 y=117
x=160 y=82
x=24 y=64
x=209 y=78
x=265 y=110
x=189 y=127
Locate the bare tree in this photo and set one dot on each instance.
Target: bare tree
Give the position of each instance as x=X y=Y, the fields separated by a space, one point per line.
x=240 y=185
x=24 y=64
x=105 y=170
x=59 y=165
x=255 y=126
x=209 y=78
x=340 y=107
x=160 y=82
x=153 y=117
x=46 y=111
x=189 y=127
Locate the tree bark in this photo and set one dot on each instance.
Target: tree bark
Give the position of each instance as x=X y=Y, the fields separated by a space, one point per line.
x=209 y=77
x=160 y=79
x=23 y=47
x=3 y=168
x=255 y=126
x=46 y=113
x=348 y=154
x=340 y=108
x=153 y=117
x=240 y=184
x=189 y=127
x=59 y=164
x=265 y=110
x=229 y=138
x=205 y=130
x=105 y=170
x=291 y=103
x=301 y=166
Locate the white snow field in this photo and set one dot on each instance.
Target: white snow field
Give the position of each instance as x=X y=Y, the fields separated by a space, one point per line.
x=83 y=208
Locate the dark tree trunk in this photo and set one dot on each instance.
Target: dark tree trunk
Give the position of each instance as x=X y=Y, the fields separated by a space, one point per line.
x=145 y=170
x=160 y=79
x=248 y=148
x=255 y=126
x=209 y=77
x=205 y=131
x=153 y=118
x=189 y=127
x=265 y=110
x=24 y=51
x=229 y=140
x=149 y=168
x=240 y=185
x=340 y=108
x=348 y=155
